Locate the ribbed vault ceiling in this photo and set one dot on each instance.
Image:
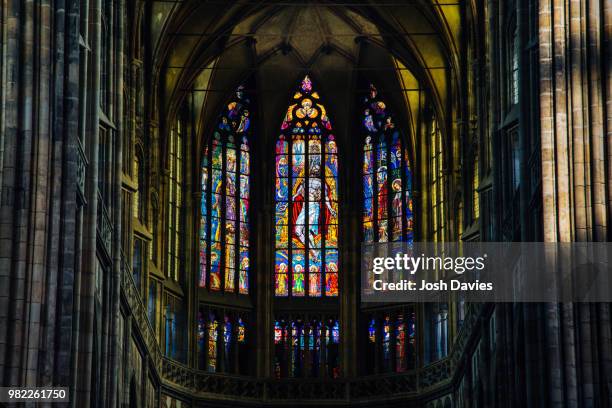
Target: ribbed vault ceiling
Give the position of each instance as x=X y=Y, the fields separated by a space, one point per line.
x=203 y=49
x=305 y=30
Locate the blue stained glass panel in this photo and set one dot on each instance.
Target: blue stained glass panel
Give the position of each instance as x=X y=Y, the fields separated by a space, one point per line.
x=282 y=189
x=245 y=162
x=244 y=186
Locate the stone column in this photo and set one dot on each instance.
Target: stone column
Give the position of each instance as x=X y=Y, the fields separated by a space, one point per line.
x=38 y=190
x=607 y=84
x=114 y=345
x=85 y=293
x=572 y=126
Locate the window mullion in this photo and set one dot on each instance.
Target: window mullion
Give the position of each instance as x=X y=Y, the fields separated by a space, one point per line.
x=223 y=213
x=238 y=222
x=375 y=170
x=389 y=181
x=322 y=221
x=306 y=212
x=208 y=226
x=290 y=220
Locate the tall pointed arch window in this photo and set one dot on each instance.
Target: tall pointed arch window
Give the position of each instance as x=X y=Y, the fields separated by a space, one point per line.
x=224 y=221
x=175 y=201
x=436 y=183
x=513 y=49
x=387 y=177
x=306 y=256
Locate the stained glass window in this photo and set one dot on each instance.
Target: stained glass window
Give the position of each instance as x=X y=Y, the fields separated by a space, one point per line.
x=400 y=344
x=222 y=341
x=372 y=331
x=306 y=256
x=387 y=176
x=386 y=342
x=306 y=348
x=241 y=332
x=224 y=221
x=391 y=344
x=213 y=334
x=201 y=333
x=228 y=335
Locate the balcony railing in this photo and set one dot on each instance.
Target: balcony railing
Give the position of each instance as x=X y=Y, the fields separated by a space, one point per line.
x=104 y=225
x=216 y=386
x=219 y=386
x=211 y=384
x=432 y=378
x=81 y=172
x=386 y=384
x=139 y=312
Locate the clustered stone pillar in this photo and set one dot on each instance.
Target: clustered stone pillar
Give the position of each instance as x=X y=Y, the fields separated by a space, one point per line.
x=38 y=179
x=49 y=222
x=572 y=109
x=574 y=178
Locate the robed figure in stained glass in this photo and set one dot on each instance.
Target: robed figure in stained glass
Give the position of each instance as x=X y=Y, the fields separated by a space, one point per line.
x=311 y=213
x=387 y=185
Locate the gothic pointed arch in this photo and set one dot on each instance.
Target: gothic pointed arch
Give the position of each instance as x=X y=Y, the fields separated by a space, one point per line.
x=387 y=175
x=306 y=196
x=224 y=207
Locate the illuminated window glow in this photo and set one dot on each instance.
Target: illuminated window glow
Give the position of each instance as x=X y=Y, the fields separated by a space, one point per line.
x=224 y=221
x=306 y=256
x=387 y=177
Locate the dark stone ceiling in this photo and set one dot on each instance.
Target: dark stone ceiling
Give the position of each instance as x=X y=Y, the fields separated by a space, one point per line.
x=204 y=51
